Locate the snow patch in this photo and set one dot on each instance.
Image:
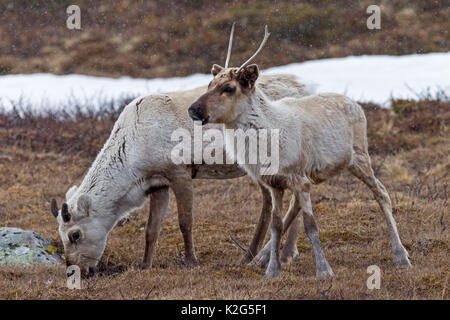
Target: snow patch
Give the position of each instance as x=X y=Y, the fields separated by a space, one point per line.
x=363 y=78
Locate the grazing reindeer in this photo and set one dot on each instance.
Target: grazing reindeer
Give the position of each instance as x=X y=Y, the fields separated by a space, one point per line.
x=319 y=136
x=135 y=162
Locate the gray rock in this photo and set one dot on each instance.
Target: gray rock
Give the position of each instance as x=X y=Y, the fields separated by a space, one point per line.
x=25 y=247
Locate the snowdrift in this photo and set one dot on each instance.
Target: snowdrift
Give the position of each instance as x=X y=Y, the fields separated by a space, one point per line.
x=364 y=78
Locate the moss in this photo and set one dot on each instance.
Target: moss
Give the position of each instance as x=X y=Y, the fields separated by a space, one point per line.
x=51 y=249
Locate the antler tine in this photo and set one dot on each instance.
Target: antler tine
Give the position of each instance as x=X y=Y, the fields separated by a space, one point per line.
x=266 y=36
x=230 y=44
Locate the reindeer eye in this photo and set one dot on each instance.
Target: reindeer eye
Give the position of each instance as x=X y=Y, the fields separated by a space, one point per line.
x=229 y=89
x=74 y=236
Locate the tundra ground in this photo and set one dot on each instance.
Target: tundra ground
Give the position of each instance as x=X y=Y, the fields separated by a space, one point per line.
x=177 y=38
x=41 y=157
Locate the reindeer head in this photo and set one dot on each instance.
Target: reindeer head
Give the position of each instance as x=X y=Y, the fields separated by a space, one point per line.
x=229 y=93
x=82 y=230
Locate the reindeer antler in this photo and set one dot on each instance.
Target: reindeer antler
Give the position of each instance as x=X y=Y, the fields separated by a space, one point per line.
x=230 y=44
x=266 y=36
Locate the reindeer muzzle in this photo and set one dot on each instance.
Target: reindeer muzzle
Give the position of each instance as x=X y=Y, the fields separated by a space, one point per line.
x=196 y=112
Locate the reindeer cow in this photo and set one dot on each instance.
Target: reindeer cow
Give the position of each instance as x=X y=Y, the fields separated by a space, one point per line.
x=319 y=136
x=135 y=162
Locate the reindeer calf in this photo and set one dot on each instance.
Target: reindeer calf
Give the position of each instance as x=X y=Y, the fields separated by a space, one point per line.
x=320 y=136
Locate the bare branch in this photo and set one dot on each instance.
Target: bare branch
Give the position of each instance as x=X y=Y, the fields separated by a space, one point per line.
x=237 y=244
x=148 y=294
x=121 y=294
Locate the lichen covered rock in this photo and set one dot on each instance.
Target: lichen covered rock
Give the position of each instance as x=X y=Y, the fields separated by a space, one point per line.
x=23 y=247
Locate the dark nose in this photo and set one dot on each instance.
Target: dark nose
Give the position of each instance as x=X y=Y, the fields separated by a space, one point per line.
x=196 y=112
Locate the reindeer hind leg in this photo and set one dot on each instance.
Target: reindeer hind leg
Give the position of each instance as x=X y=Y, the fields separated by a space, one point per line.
x=159 y=201
x=182 y=188
x=361 y=168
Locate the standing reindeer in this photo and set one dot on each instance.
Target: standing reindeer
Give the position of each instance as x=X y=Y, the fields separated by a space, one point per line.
x=319 y=136
x=135 y=163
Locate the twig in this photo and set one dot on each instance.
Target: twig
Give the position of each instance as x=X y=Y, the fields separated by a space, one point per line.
x=324 y=293
x=148 y=294
x=279 y=289
x=120 y=291
x=237 y=244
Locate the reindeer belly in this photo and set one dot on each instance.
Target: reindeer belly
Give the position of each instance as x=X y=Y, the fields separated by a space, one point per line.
x=328 y=162
x=217 y=171
x=318 y=175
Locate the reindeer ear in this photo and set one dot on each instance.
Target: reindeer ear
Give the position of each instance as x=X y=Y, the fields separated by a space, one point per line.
x=248 y=76
x=54 y=208
x=65 y=212
x=84 y=204
x=216 y=69
x=71 y=192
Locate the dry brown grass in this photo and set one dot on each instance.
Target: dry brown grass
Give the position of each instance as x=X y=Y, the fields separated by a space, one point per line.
x=154 y=38
x=412 y=163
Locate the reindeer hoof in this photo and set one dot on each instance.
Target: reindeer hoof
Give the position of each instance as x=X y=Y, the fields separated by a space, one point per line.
x=289 y=256
x=325 y=274
x=145 y=266
x=324 y=271
x=273 y=269
x=272 y=273
x=402 y=260
x=262 y=259
x=402 y=263
x=191 y=262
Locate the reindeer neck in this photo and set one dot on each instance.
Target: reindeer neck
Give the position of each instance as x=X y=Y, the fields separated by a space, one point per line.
x=258 y=114
x=111 y=179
